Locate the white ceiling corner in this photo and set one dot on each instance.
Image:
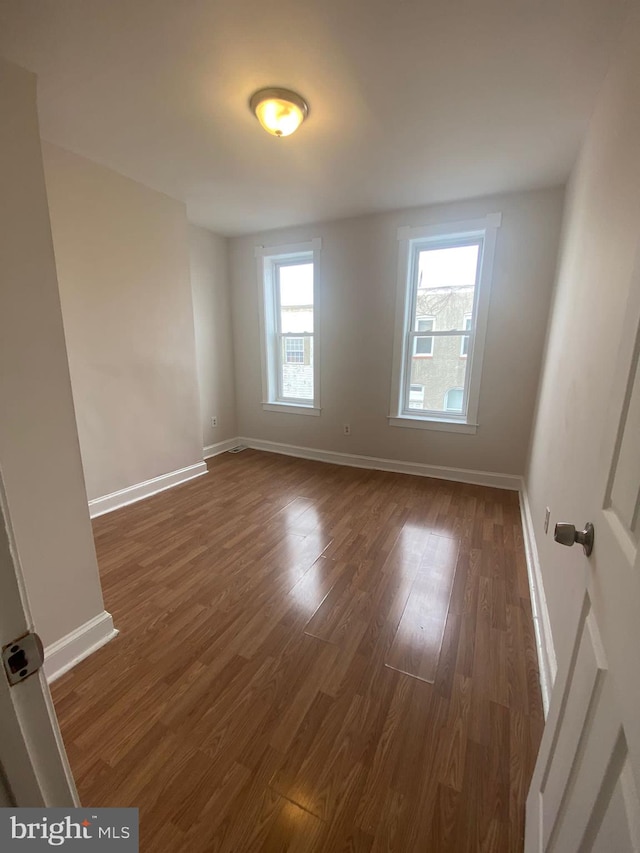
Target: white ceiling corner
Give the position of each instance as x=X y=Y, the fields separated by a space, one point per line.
x=411 y=101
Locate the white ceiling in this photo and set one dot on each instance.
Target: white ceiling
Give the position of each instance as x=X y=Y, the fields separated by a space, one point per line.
x=411 y=101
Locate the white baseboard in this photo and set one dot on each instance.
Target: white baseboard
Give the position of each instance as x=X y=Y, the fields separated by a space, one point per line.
x=139 y=491
x=541 y=623
x=220 y=447
x=460 y=475
x=65 y=653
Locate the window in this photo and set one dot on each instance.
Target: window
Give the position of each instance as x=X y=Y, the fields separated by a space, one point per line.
x=453 y=400
x=423 y=346
x=443 y=289
x=416 y=396
x=294 y=350
x=288 y=277
x=464 y=344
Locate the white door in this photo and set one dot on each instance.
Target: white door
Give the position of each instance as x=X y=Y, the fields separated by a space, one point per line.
x=584 y=791
x=33 y=761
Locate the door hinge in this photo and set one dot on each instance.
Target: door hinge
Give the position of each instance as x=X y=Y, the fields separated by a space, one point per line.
x=23 y=657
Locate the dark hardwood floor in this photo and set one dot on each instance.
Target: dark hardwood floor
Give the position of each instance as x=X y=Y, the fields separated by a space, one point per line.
x=312 y=658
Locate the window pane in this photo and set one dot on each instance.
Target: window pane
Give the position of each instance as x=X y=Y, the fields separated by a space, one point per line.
x=297 y=368
x=295 y=282
x=452 y=267
x=443 y=372
x=296 y=318
x=446 y=286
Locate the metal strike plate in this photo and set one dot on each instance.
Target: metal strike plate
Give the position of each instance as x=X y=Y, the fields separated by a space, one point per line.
x=23 y=657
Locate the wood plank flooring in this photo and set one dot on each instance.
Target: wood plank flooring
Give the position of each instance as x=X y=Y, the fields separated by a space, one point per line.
x=312 y=658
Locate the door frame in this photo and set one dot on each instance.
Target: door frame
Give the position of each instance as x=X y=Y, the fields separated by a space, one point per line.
x=33 y=760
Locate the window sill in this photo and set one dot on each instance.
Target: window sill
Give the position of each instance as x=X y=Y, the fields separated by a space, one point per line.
x=291 y=409
x=442 y=424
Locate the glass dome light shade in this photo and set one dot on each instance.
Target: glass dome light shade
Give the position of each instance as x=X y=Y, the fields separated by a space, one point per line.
x=279 y=111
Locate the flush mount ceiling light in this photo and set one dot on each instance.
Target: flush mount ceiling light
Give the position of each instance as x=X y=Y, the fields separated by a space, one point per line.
x=279 y=111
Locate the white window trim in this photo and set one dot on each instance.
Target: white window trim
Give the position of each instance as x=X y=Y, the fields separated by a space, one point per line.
x=287 y=409
x=445 y=424
x=486 y=228
x=266 y=257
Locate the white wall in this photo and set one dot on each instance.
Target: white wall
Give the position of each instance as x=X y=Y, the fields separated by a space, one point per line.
x=214 y=346
x=39 y=452
x=123 y=266
x=357 y=311
x=598 y=252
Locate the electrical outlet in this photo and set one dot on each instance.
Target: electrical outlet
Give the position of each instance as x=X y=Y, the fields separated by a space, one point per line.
x=214 y=421
x=547 y=516
x=347 y=429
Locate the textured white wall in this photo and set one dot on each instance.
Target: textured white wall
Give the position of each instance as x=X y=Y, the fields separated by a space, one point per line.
x=39 y=452
x=357 y=312
x=123 y=266
x=597 y=259
x=214 y=347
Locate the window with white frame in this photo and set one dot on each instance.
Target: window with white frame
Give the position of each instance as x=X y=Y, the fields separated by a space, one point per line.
x=288 y=279
x=443 y=288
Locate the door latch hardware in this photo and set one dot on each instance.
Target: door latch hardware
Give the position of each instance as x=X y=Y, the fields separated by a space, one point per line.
x=23 y=657
x=566 y=534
